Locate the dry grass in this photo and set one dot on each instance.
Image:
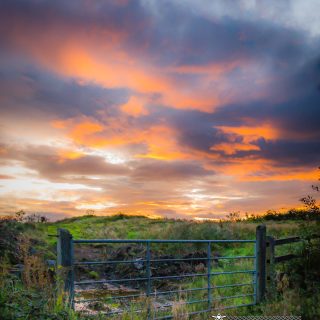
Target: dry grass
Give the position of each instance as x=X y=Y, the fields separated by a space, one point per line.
x=180 y=310
x=35 y=273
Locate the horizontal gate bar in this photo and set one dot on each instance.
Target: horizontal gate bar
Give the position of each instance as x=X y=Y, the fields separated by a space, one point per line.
x=159 y=241
x=141 y=296
x=164 y=277
x=153 y=293
x=203 y=274
x=237 y=306
x=207 y=310
x=234 y=285
x=186 y=303
x=189 y=314
x=234 y=297
x=112 y=298
x=81 y=263
x=183 y=303
x=168 y=305
x=171 y=292
x=108 y=281
x=202 y=301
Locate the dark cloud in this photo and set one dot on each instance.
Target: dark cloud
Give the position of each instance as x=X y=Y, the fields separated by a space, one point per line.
x=184 y=37
x=297 y=111
x=169 y=170
x=47 y=162
x=195 y=129
x=51 y=167
x=288 y=153
x=28 y=90
x=199 y=40
x=173 y=36
x=39 y=21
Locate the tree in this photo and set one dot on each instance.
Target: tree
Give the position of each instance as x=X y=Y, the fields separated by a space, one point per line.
x=309 y=201
x=90 y=212
x=20 y=215
x=234 y=216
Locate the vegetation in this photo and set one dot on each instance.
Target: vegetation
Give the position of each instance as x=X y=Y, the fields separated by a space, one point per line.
x=30 y=288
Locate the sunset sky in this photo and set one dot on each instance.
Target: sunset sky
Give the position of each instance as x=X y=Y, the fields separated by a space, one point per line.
x=186 y=108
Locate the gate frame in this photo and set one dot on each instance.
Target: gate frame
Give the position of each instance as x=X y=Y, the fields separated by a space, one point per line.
x=65 y=263
x=264 y=256
x=263 y=271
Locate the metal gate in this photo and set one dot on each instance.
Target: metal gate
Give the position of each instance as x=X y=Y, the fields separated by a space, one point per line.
x=210 y=281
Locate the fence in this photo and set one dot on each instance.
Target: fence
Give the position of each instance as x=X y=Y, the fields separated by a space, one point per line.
x=272 y=260
x=261 y=274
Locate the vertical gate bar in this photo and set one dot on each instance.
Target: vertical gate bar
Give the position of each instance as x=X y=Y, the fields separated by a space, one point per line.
x=148 y=291
x=209 y=274
x=255 y=274
x=261 y=262
x=148 y=270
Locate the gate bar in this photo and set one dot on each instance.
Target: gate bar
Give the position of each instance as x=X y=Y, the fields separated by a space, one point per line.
x=159 y=241
x=81 y=263
x=209 y=274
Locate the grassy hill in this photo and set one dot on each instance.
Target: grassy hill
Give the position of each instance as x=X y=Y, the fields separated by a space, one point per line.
x=35 y=295
x=139 y=227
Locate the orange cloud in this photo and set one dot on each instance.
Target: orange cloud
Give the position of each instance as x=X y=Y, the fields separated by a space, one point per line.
x=284 y=175
x=58 y=124
x=161 y=143
x=255 y=169
x=85 y=130
x=249 y=135
x=3 y=151
x=69 y=155
x=114 y=71
x=135 y=107
x=109 y=64
x=160 y=139
x=233 y=148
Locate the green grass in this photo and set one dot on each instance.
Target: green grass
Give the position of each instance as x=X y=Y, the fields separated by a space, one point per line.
x=137 y=227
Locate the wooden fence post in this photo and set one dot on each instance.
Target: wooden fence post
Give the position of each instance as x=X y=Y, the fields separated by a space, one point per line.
x=260 y=262
x=270 y=265
x=65 y=261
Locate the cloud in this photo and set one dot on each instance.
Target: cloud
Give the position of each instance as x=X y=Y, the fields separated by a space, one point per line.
x=55 y=165
x=134 y=49
x=169 y=170
x=32 y=90
x=158 y=107
x=5 y=177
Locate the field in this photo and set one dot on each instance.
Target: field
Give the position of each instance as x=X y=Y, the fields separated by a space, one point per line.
x=37 y=293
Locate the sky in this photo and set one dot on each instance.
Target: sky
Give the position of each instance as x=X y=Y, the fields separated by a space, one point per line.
x=180 y=109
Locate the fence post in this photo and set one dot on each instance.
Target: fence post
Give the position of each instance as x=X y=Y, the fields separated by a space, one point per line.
x=260 y=263
x=65 y=262
x=270 y=265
